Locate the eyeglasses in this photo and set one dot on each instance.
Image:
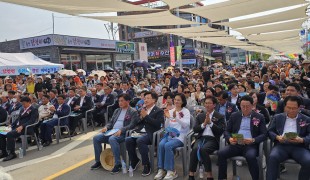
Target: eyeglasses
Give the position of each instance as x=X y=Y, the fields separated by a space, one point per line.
x=186 y=92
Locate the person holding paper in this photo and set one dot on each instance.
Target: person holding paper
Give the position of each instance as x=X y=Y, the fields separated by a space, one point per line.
x=210 y=126
x=123 y=119
x=177 y=118
x=28 y=115
x=62 y=109
x=290 y=132
x=252 y=126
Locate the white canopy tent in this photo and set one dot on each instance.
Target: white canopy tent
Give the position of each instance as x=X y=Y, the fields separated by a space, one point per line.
x=16 y=63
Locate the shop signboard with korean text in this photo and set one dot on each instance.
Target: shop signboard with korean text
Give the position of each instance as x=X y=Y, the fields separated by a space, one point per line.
x=125 y=47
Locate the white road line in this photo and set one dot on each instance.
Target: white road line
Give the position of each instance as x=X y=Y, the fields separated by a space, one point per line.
x=56 y=154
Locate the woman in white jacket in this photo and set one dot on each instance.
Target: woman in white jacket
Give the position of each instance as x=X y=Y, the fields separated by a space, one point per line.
x=178 y=118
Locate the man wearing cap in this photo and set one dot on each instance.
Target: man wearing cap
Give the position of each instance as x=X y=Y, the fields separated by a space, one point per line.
x=305 y=76
x=28 y=115
x=39 y=86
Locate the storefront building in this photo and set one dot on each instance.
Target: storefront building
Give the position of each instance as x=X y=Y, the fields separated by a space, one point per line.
x=77 y=52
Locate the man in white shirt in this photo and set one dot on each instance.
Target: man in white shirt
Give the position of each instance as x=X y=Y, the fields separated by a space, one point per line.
x=210 y=126
x=296 y=148
x=45 y=108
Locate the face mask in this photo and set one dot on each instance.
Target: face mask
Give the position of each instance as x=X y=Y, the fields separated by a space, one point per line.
x=14 y=100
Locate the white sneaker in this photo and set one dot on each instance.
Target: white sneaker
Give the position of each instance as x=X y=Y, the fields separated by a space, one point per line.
x=161 y=173
x=239 y=163
x=171 y=175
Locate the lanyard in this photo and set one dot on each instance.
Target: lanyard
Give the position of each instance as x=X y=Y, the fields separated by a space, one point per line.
x=200 y=145
x=26 y=110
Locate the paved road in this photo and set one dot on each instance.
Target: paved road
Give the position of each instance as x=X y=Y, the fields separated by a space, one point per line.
x=72 y=160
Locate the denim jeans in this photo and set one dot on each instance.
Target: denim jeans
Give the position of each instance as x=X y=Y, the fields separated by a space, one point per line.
x=114 y=142
x=166 y=153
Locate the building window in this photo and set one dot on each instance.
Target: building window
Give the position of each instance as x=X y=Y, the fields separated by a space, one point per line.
x=71 y=61
x=98 y=62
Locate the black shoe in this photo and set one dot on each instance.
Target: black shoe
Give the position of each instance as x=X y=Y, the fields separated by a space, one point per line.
x=116 y=169
x=73 y=133
x=146 y=170
x=47 y=143
x=282 y=168
x=10 y=157
x=135 y=164
x=33 y=143
x=97 y=165
x=3 y=155
x=191 y=177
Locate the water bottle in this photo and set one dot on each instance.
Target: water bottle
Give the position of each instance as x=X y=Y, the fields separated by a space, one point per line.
x=124 y=167
x=201 y=172
x=21 y=153
x=40 y=145
x=130 y=171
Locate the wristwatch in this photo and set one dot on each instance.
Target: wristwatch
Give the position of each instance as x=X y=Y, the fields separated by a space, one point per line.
x=253 y=140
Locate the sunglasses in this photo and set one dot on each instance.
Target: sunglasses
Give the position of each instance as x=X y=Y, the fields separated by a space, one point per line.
x=186 y=91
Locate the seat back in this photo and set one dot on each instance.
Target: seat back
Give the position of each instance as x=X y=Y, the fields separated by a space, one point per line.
x=192 y=122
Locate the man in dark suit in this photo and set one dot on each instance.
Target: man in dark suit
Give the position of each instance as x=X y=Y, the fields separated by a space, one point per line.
x=125 y=89
x=152 y=117
x=101 y=106
x=123 y=119
x=47 y=127
x=234 y=97
x=296 y=148
x=210 y=126
x=224 y=107
x=294 y=89
x=15 y=105
x=253 y=128
x=71 y=100
x=5 y=101
x=53 y=97
x=82 y=104
x=28 y=115
x=3 y=115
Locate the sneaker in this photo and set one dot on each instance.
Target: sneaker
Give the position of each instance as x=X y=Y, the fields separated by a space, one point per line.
x=135 y=165
x=171 y=175
x=146 y=170
x=282 y=168
x=239 y=163
x=97 y=165
x=116 y=169
x=161 y=173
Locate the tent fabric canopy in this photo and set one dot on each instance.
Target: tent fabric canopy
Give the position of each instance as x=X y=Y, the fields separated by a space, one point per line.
x=193 y=29
x=19 y=61
x=236 y=8
x=202 y=34
x=225 y=41
x=174 y=4
x=274 y=35
x=276 y=17
x=164 y=18
x=281 y=26
x=81 y=6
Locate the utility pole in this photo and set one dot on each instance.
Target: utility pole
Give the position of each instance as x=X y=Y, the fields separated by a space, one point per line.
x=179 y=42
x=53 y=18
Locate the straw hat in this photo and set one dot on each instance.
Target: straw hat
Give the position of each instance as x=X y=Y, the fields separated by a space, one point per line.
x=306 y=62
x=107 y=159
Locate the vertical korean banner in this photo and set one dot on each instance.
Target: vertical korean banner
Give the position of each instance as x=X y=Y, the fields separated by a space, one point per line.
x=172 y=56
x=143 y=51
x=172 y=52
x=179 y=53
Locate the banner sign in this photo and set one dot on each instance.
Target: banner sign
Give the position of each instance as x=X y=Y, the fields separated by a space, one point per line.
x=125 y=47
x=143 y=34
x=179 y=53
x=143 y=54
x=61 y=40
x=8 y=71
x=172 y=56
